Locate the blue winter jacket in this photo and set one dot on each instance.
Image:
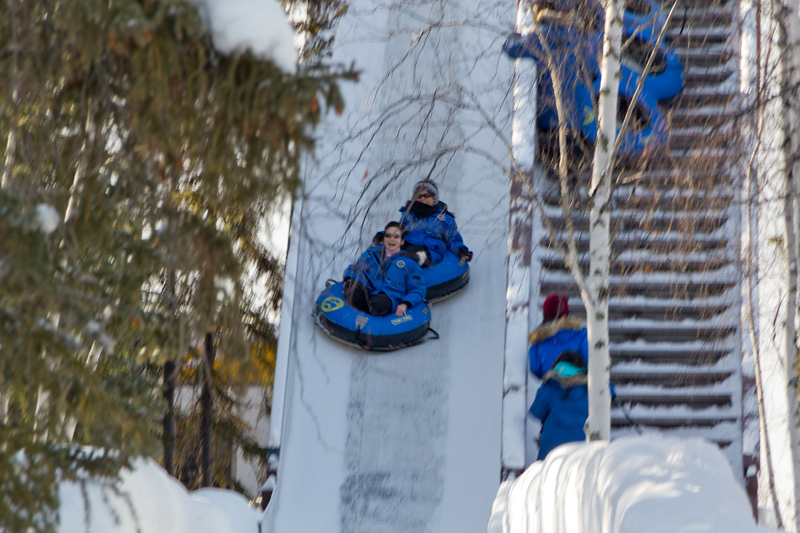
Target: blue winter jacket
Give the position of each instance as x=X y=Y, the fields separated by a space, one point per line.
x=551 y=339
x=438 y=232
x=562 y=417
x=399 y=277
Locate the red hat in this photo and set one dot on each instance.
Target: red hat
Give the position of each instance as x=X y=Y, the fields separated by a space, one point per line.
x=556 y=305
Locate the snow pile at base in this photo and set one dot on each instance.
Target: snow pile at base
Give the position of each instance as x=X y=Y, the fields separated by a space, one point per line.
x=631 y=485
x=148 y=500
x=260 y=26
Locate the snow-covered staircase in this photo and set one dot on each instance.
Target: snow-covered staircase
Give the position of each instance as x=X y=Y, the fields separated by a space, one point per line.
x=675 y=296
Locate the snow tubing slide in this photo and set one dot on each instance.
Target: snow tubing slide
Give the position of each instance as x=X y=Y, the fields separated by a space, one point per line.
x=446 y=277
x=362 y=330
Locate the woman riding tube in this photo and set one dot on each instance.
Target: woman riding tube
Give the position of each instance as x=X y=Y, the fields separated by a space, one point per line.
x=385 y=278
x=430 y=228
x=562 y=403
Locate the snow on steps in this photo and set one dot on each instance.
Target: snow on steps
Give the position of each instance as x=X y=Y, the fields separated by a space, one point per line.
x=674 y=309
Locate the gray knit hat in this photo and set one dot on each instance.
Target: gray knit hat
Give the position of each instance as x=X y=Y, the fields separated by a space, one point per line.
x=429 y=186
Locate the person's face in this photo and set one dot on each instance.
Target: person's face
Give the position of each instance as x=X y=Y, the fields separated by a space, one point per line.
x=425 y=197
x=392 y=239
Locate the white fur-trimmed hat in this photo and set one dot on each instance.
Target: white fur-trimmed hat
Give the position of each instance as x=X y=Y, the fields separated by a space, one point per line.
x=429 y=186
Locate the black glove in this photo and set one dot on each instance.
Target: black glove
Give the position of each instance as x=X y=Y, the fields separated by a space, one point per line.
x=465 y=255
x=377 y=239
x=347 y=283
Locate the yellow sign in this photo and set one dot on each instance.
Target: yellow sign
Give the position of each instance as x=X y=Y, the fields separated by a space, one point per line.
x=331 y=303
x=588 y=115
x=404 y=318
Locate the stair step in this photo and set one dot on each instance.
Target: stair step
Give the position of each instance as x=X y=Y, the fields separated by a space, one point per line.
x=695 y=184
x=699 y=18
x=692 y=400
x=703 y=78
x=691 y=36
x=704 y=58
x=693 y=357
x=647 y=221
x=678 y=140
x=668 y=379
x=621 y=267
x=623 y=428
x=677 y=291
x=672 y=333
x=653 y=243
x=690 y=101
x=619 y=420
x=711 y=117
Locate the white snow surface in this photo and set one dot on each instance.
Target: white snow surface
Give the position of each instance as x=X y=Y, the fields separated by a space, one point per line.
x=260 y=26
x=631 y=485
x=148 y=500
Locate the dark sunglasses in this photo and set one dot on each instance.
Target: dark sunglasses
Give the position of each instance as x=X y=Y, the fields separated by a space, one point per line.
x=425 y=195
x=392 y=235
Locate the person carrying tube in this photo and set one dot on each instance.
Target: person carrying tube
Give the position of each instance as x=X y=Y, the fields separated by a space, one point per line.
x=385 y=278
x=562 y=403
x=558 y=333
x=431 y=229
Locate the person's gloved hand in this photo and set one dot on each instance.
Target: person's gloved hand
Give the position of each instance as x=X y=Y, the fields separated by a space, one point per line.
x=423 y=258
x=347 y=283
x=377 y=239
x=465 y=255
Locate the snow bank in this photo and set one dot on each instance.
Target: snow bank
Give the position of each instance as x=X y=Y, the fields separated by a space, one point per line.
x=631 y=485
x=260 y=26
x=148 y=500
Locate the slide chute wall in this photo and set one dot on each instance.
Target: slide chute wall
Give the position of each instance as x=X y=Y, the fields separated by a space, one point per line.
x=410 y=440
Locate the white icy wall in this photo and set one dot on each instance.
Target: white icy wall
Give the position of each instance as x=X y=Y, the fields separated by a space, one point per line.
x=631 y=485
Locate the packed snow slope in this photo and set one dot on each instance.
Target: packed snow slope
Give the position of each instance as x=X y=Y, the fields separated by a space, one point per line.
x=148 y=500
x=409 y=440
x=631 y=485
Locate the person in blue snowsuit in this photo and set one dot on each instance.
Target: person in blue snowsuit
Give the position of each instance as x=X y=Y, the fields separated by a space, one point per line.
x=430 y=228
x=385 y=278
x=558 y=333
x=562 y=403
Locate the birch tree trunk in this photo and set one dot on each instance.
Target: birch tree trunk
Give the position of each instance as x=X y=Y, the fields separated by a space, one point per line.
x=598 y=425
x=788 y=20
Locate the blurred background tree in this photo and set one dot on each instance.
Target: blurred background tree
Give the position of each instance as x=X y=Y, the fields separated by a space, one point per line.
x=139 y=165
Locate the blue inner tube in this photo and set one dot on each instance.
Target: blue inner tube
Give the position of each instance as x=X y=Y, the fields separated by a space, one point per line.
x=446 y=277
x=645 y=14
x=639 y=13
x=376 y=333
x=652 y=134
x=666 y=78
